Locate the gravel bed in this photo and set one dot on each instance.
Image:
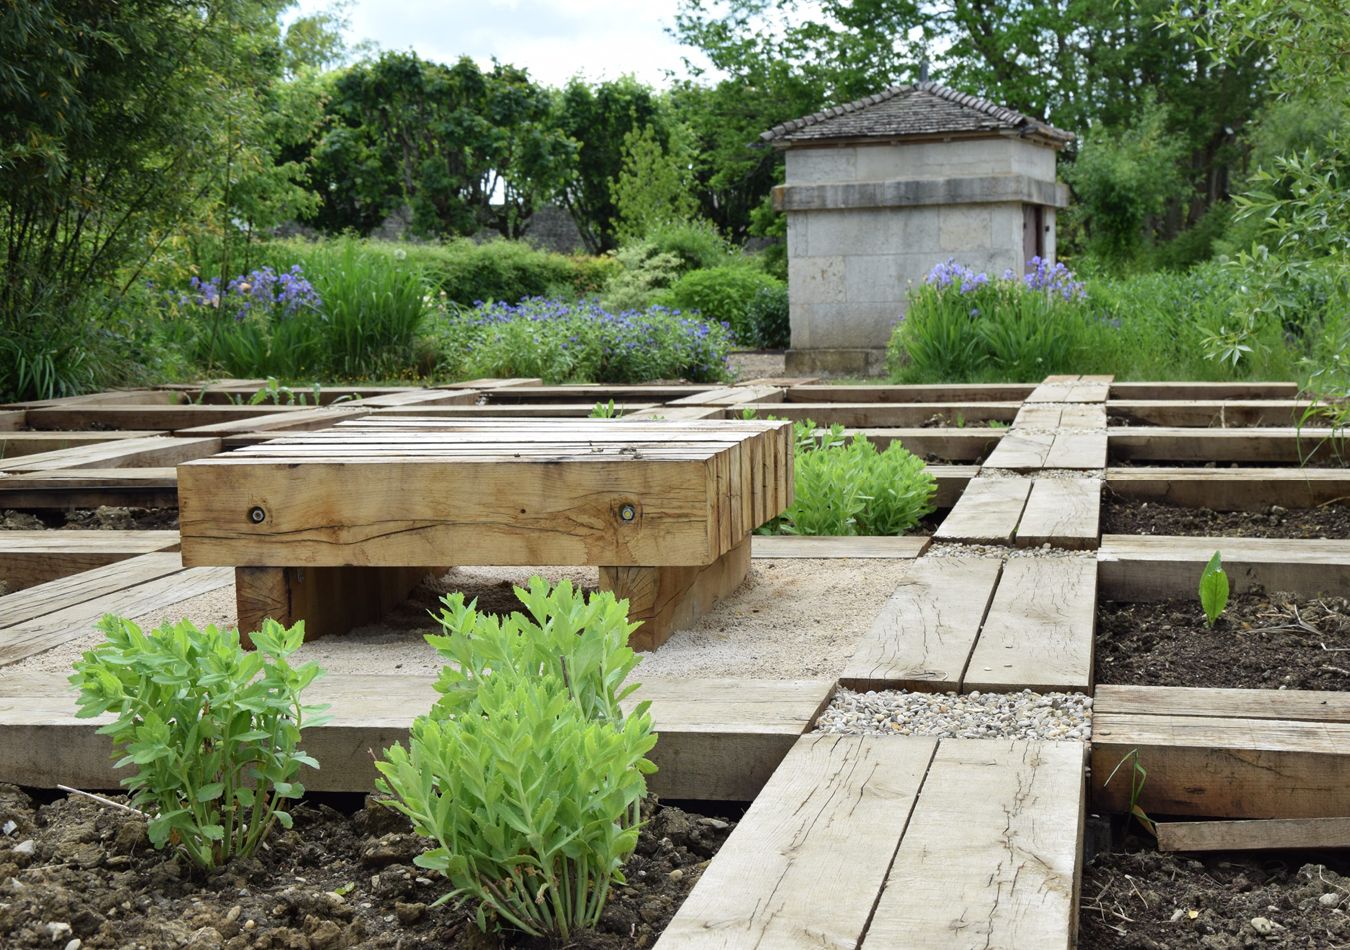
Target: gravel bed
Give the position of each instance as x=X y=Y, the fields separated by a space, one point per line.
x=1026 y=715
x=953 y=549
x=1056 y=430
x=1052 y=473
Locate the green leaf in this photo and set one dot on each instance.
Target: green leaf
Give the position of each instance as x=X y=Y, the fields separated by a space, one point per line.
x=208 y=793
x=1213 y=590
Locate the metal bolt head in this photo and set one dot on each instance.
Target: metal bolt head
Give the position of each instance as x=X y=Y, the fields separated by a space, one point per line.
x=257 y=515
x=627 y=512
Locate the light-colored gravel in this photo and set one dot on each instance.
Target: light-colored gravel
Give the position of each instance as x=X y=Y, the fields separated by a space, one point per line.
x=1056 y=430
x=1058 y=474
x=952 y=549
x=1024 y=715
x=750 y=365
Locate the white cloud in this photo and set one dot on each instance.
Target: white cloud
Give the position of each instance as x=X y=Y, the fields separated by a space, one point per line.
x=553 y=39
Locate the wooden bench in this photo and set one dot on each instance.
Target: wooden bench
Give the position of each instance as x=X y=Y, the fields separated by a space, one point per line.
x=336 y=526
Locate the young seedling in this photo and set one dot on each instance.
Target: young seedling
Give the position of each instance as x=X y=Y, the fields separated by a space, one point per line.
x=1213 y=590
x=1138 y=776
x=606 y=410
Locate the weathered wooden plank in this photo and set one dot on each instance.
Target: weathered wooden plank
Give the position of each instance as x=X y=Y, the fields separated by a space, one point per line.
x=677 y=413
x=531 y=381
x=991 y=857
x=666 y=599
x=421 y=397
x=1021 y=451
x=154 y=452
x=11 y=420
x=159 y=418
x=1039 y=416
x=27 y=639
x=68 y=591
x=764 y=887
x=1267 y=446
x=1084 y=416
x=113 y=397
x=1223 y=768
x=575 y=410
x=1222 y=413
x=30 y=558
x=924 y=635
x=743 y=395
x=90 y=488
x=1062 y=512
x=940 y=392
x=1274 y=834
x=1232 y=489
x=34 y=443
x=1156 y=567
x=1078 y=451
x=1293 y=704
x=1039 y=629
x=884 y=415
x=1069 y=391
x=797 y=546
x=330 y=600
x=987 y=513
x=1231 y=390
x=721 y=739
x=303 y=420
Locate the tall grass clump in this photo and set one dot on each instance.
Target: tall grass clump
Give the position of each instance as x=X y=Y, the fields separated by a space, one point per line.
x=563 y=342
x=527 y=773
x=846 y=487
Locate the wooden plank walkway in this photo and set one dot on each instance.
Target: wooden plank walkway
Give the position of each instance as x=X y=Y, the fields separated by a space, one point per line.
x=1062 y=512
x=151 y=452
x=1158 y=567
x=917 y=842
x=30 y=558
x=988 y=512
x=720 y=738
x=69 y=591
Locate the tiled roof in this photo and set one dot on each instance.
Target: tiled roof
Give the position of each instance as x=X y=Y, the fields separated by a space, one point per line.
x=923 y=109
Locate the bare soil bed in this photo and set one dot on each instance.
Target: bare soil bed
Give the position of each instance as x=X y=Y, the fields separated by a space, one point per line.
x=1127 y=516
x=1136 y=898
x=1261 y=641
x=91 y=519
x=76 y=870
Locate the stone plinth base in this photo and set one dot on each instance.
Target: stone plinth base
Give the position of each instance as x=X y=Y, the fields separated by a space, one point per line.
x=832 y=362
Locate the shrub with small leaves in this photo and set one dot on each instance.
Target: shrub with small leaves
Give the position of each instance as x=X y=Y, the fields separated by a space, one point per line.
x=214 y=730
x=527 y=773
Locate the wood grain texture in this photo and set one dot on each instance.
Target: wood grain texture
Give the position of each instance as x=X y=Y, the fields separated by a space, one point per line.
x=303 y=420
x=1039 y=629
x=795 y=546
x=1205 y=413
x=330 y=600
x=884 y=415
x=939 y=392
x=666 y=599
x=1078 y=451
x=90 y=488
x=42 y=599
x=1086 y=416
x=152 y=452
x=1235 y=390
x=1062 y=512
x=1275 y=834
x=1286 y=446
x=797 y=872
x=721 y=739
x=924 y=635
x=32 y=443
x=31 y=637
x=31 y=558
x=1293 y=704
x=1148 y=568
x=987 y=513
x=1223 y=768
x=1021 y=451
x=160 y=418
x=1039 y=416
x=11 y=420
x=992 y=854
x=1231 y=489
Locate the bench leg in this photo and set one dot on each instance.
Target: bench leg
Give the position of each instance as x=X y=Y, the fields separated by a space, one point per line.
x=328 y=599
x=667 y=599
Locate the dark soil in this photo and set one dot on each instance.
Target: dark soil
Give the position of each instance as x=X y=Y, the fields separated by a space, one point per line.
x=77 y=870
x=941 y=421
x=1259 y=642
x=1114 y=462
x=91 y=519
x=1135 y=898
x=1127 y=516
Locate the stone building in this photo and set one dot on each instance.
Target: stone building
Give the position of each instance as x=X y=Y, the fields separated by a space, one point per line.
x=880 y=190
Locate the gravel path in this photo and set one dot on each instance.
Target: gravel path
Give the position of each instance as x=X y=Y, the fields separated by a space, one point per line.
x=1025 y=715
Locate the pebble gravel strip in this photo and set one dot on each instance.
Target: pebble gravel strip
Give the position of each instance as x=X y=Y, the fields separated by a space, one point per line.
x=954 y=549
x=1051 y=473
x=1065 y=717
x=1055 y=430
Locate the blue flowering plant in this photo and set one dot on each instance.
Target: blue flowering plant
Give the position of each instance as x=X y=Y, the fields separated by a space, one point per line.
x=563 y=342
x=961 y=324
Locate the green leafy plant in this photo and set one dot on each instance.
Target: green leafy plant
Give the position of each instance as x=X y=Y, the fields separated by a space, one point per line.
x=527 y=773
x=214 y=730
x=846 y=487
x=606 y=410
x=1138 y=776
x=768 y=316
x=723 y=294
x=1213 y=589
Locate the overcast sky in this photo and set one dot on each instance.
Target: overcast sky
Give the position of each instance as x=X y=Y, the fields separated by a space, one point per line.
x=553 y=39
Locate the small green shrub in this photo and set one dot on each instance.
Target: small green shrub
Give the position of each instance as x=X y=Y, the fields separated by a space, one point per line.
x=722 y=294
x=563 y=342
x=527 y=773
x=214 y=730
x=768 y=316
x=493 y=270
x=644 y=271
x=845 y=487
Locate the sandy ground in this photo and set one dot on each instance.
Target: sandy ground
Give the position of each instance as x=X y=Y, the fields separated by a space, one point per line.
x=751 y=365
x=791 y=619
